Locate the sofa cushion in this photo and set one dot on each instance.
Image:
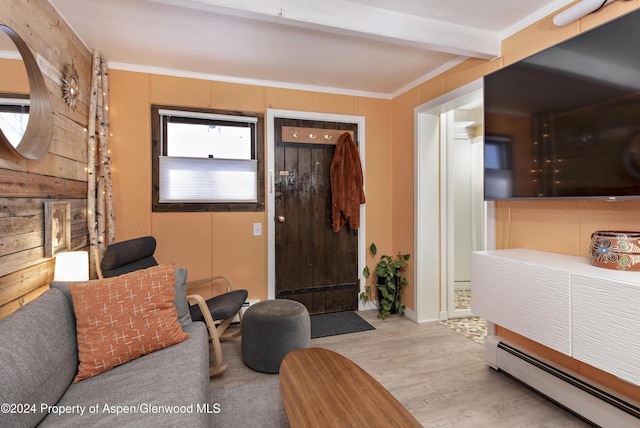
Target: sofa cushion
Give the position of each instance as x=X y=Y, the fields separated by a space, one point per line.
x=181 y=302
x=38 y=356
x=122 y=318
x=167 y=388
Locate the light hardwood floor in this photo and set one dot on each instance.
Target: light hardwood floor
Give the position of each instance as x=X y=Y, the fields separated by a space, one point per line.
x=439 y=375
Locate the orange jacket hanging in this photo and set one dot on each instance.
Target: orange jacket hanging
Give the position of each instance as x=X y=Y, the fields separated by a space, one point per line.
x=347 y=192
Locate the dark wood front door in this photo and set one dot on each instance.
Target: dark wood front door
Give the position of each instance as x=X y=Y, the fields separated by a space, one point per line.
x=313 y=265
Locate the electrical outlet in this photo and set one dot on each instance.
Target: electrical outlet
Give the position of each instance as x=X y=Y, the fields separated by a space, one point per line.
x=257 y=229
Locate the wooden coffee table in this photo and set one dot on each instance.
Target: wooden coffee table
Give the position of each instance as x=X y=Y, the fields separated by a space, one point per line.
x=321 y=388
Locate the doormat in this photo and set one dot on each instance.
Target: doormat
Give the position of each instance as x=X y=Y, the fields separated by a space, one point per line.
x=336 y=323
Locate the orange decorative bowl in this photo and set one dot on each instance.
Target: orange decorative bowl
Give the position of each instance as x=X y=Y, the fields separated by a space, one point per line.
x=615 y=250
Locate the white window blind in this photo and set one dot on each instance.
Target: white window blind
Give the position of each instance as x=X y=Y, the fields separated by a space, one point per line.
x=14 y=116
x=184 y=180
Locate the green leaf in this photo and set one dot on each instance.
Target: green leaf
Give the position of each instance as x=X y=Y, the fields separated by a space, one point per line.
x=389 y=271
x=373 y=249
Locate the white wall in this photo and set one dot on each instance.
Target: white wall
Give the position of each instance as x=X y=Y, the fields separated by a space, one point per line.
x=462 y=229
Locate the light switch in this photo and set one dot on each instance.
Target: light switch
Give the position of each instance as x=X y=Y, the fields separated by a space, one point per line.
x=257 y=229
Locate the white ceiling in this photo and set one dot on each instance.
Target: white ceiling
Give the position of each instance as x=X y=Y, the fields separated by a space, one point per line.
x=368 y=47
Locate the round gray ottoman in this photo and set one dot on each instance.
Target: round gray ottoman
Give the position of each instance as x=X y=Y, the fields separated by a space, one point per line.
x=270 y=330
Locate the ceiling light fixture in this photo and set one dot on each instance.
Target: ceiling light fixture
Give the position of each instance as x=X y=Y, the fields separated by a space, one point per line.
x=579 y=10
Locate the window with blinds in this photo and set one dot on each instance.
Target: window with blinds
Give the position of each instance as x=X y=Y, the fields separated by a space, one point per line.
x=14 y=116
x=207 y=161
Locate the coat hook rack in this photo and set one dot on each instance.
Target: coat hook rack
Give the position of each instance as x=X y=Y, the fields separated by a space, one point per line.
x=295 y=134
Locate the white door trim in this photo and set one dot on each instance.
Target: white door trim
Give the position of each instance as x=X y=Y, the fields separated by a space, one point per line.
x=430 y=263
x=271 y=236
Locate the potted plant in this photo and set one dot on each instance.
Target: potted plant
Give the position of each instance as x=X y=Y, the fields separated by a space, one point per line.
x=389 y=282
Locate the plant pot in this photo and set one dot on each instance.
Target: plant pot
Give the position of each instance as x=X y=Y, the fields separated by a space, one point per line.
x=615 y=250
x=382 y=281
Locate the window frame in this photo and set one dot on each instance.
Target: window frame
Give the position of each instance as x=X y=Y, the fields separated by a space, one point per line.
x=17 y=104
x=503 y=145
x=157 y=148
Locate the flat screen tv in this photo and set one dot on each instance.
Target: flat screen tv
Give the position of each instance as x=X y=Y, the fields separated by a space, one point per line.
x=565 y=122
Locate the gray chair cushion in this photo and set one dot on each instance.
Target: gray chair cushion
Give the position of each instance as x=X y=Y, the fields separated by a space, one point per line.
x=221 y=307
x=38 y=356
x=128 y=256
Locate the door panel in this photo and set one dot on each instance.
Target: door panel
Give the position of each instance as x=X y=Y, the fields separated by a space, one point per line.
x=314 y=265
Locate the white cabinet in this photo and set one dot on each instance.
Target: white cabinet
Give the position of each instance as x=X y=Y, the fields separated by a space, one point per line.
x=562 y=302
x=530 y=298
x=606 y=325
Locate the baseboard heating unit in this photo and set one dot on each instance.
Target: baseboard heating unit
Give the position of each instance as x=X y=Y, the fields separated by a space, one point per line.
x=572 y=391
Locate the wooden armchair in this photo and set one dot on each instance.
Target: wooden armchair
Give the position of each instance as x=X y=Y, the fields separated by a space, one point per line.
x=216 y=312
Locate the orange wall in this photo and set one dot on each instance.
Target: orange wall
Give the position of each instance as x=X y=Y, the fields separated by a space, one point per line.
x=561 y=226
x=214 y=243
x=13 y=76
x=556 y=226
x=208 y=243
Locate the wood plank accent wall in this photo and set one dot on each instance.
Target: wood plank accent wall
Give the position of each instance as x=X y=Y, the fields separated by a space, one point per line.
x=25 y=185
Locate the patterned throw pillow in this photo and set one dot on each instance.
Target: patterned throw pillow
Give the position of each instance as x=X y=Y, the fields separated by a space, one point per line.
x=122 y=318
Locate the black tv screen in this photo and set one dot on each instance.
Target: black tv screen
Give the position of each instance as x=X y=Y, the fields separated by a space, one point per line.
x=565 y=123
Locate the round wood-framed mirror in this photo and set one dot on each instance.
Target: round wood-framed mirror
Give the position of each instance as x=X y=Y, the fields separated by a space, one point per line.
x=38 y=133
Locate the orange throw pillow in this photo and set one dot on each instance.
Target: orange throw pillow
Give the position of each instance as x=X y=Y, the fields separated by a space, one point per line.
x=122 y=318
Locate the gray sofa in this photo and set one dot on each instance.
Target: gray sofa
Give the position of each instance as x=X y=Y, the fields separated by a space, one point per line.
x=39 y=359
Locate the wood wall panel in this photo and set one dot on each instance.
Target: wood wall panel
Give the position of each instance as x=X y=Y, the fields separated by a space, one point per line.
x=60 y=175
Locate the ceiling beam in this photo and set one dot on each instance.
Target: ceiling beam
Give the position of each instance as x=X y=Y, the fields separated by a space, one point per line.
x=357 y=20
